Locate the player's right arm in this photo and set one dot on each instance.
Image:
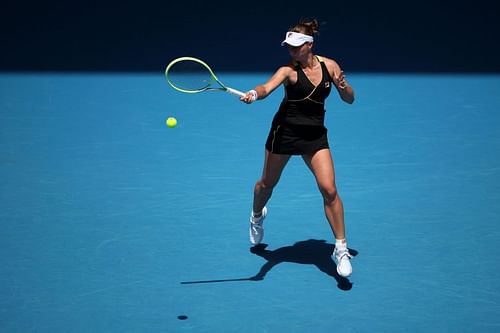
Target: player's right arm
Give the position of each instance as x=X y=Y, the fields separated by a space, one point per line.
x=281 y=76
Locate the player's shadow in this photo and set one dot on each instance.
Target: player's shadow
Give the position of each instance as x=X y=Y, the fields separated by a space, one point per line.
x=310 y=252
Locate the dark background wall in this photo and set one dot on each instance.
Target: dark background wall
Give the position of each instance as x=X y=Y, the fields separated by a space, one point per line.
x=373 y=36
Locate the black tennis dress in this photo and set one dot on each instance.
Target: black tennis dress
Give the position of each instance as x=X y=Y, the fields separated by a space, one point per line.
x=298 y=126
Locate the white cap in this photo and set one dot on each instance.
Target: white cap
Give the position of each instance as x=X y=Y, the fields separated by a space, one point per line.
x=296 y=39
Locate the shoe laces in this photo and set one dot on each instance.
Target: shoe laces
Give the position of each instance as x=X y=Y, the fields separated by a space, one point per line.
x=341 y=254
x=256 y=225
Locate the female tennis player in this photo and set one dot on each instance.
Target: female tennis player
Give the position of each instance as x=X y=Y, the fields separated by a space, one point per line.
x=298 y=129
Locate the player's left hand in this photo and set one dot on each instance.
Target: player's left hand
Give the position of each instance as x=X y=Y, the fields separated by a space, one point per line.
x=340 y=81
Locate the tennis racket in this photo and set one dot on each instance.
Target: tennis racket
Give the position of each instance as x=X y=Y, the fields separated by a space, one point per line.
x=192 y=75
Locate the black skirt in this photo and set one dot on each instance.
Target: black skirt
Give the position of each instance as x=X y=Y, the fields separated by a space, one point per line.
x=288 y=139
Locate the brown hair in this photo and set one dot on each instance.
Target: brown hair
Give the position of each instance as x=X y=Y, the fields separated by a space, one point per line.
x=306 y=27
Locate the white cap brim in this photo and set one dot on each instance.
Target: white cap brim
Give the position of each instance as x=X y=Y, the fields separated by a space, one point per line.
x=296 y=39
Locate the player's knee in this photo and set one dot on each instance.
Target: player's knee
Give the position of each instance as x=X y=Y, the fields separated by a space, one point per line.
x=263 y=185
x=329 y=193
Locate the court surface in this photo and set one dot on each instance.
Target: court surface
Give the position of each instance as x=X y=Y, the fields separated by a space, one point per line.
x=112 y=222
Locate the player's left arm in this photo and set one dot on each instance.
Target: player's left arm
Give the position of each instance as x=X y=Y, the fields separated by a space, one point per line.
x=339 y=80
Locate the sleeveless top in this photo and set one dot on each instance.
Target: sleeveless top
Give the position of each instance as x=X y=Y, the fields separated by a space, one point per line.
x=304 y=103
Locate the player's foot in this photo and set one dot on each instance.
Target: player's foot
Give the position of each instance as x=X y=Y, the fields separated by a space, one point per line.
x=343 y=259
x=256 y=229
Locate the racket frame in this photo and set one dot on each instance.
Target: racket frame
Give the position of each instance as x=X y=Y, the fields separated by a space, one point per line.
x=208 y=86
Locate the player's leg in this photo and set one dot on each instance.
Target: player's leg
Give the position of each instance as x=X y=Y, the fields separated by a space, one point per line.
x=273 y=167
x=321 y=165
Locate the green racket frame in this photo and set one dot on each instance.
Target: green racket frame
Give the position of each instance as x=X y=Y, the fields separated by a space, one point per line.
x=208 y=86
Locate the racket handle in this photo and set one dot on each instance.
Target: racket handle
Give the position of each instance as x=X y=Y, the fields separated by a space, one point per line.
x=235 y=92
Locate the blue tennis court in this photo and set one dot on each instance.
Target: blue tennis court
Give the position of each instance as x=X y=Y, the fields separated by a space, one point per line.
x=112 y=222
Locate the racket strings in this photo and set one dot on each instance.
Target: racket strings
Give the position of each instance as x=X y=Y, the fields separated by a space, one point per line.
x=190 y=76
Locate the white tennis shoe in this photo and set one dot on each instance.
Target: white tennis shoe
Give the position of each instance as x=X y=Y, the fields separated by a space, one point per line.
x=256 y=230
x=343 y=259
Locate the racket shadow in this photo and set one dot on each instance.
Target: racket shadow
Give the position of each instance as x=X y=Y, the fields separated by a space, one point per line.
x=309 y=252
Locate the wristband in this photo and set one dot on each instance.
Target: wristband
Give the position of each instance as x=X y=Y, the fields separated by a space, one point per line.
x=254 y=95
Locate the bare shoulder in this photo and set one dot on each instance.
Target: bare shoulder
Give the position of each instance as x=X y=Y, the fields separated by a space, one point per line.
x=286 y=69
x=284 y=72
x=332 y=66
x=282 y=75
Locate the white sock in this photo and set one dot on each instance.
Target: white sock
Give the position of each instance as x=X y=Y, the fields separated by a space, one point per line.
x=340 y=244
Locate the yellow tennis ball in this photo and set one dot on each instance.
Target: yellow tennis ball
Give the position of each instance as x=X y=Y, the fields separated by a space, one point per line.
x=171 y=122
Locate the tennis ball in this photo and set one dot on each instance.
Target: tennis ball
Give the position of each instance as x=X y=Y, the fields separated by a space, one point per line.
x=171 y=122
